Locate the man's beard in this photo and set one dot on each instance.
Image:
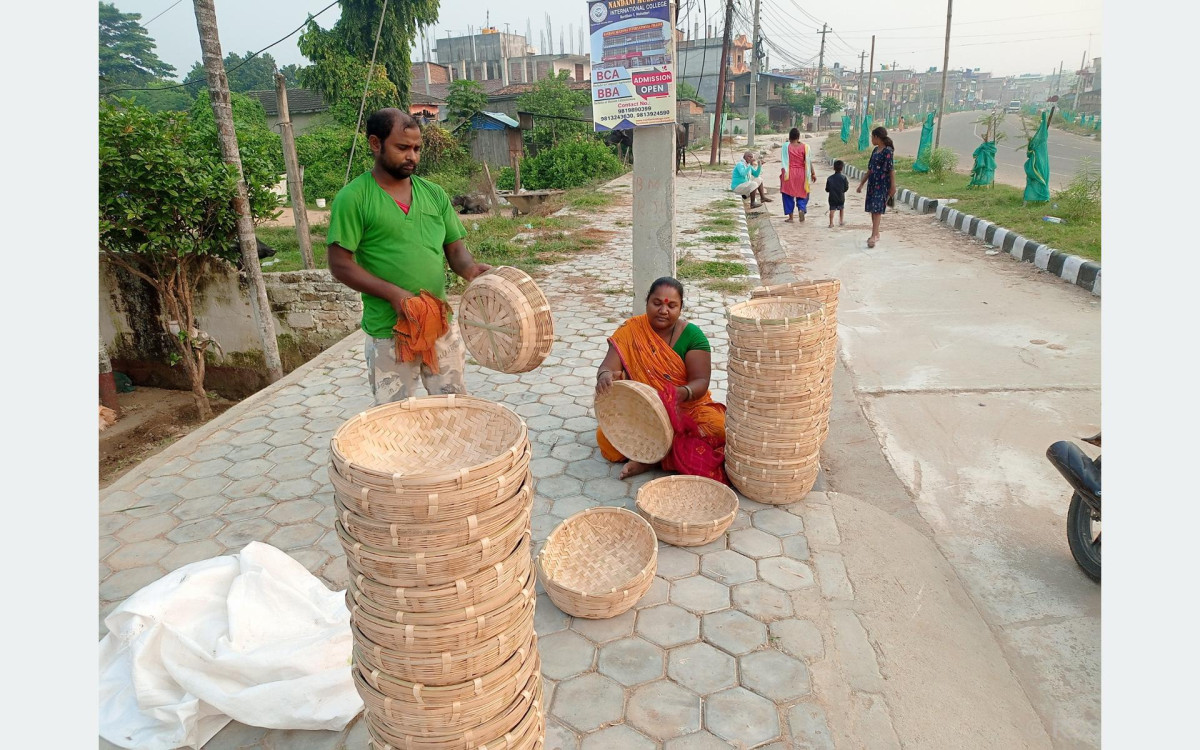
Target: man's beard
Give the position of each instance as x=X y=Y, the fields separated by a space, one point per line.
x=401 y=172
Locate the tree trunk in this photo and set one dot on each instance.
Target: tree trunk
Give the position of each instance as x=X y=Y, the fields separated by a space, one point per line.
x=218 y=91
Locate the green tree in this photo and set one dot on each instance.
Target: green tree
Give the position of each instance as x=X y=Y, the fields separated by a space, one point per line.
x=552 y=97
x=800 y=103
x=258 y=74
x=324 y=152
x=339 y=76
x=291 y=74
x=356 y=29
x=830 y=105
x=166 y=213
x=685 y=90
x=127 y=56
x=260 y=147
x=465 y=98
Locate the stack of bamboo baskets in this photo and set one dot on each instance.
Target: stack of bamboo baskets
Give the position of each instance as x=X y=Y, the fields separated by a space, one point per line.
x=783 y=347
x=434 y=497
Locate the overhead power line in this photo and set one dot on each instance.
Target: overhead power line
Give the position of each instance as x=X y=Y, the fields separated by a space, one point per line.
x=161 y=13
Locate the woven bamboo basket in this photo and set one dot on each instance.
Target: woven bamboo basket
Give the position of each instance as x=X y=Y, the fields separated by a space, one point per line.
x=805 y=444
x=777 y=471
x=635 y=421
x=491 y=733
x=418 y=640
x=429 y=444
x=772 y=493
x=387 y=611
x=823 y=290
x=599 y=562
x=446 y=667
x=776 y=314
x=432 y=569
x=437 y=505
x=503 y=579
x=806 y=336
x=769 y=372
x=814 y=403
x=687 y=511
x=780 y=429
x=505 y=321
x=434 y=535
x=781 y=392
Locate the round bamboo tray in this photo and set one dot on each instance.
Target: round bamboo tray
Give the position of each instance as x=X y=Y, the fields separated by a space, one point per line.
x=635 y=421
x=505 y=321
x=393 y=701
x=772 y=493
x=804 y=444
x=446 y=667
x=599 y=562
x=508 y=725
x=781 y=428
x=431 y=569
x=687 y=511
x=434 y=535
x=429 y=444
x=824 y=290
x=420 y=640
x=431 y=505
x=503 y=579
x=355 y=596
x=775 y=314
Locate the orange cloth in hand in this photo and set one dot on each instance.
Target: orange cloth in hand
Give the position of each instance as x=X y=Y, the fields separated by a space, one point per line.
x=425 y=320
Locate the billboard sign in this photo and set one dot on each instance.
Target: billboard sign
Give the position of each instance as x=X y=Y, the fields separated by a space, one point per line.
x=633 y=65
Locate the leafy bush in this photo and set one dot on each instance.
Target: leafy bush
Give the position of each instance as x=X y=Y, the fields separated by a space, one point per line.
x=942 y=162
x=506 y=179
x=552 y=96
x=453 y=183
x=1080 y=201
x=572 y=163
x=324 y=152
x=762 y=124
x=441 y=152
x=260 y=148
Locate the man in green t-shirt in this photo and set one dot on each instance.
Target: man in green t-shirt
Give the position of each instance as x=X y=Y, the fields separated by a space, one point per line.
x=389 y=234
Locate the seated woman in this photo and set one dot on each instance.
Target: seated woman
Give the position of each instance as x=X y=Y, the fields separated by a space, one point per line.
x=674 y=357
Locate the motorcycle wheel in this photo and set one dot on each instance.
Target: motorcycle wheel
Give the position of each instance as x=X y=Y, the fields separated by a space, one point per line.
x=1083 y=537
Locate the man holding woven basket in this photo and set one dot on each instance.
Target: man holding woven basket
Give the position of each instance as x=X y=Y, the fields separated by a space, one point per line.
x=390 y=234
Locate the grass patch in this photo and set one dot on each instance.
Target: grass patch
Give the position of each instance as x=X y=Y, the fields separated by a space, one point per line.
x=716 y=225
x=589 y=198
x=287 y=247
x=729 y=256
x=615 y=290
x=721 y=239
x=1003 y=205
x=689 y=268
x=732 y=287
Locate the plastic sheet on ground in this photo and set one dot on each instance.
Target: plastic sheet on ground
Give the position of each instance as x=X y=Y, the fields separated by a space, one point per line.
x=252 y=637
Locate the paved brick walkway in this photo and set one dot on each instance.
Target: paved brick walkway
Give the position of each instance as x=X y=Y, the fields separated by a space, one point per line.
x=717 y=654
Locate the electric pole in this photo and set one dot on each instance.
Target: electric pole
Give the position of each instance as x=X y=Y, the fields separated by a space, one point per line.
x=820 y=71
x=892 y=98
x=294 y=183
x=862 y=113
x=753 y=81
x=218 y=92
x=870 y=76
x=1058 y=78
x=716 y=136
x=937 y=138
x=425 y=45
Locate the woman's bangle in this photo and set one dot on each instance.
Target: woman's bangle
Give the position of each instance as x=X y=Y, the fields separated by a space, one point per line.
x=688 y=388
x=601 y=372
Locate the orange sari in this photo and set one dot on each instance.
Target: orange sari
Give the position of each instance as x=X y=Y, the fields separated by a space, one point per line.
x=699 y=424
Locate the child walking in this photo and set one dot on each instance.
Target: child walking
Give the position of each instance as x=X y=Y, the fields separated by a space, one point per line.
x=836 y=185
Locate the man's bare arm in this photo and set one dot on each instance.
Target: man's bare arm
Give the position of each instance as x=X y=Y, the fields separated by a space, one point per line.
x=344 y=268
x=462 y=262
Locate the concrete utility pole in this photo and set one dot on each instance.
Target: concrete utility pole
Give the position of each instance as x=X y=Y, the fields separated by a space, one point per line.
x=295 y=183
x=1058 y=78
x=937 y=137
x=654 y=199
x=862 y=113
x=870 y=76
x=892 y=98
x=218 y=93
x=716 y=134
x=425 y=46
x=753 y=81
x=821 y=70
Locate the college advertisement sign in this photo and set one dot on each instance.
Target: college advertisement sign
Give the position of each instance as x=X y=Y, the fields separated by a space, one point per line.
x=633 y=65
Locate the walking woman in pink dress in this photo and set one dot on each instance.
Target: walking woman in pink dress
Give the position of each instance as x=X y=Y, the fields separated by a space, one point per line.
x=794 y=177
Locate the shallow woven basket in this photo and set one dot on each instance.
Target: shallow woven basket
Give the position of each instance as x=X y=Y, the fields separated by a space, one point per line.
x=491 y=733
x=505 y=321
x=390 y=506
x=775 y=315
x=599 y=562
x=429 y=444
x=687 y=511
x=802 y=445
x=825 y=290
x=418 y=640
x=434 y=535
x=635 y=421
x=772 y=493
x=432 y=568
x=388 y=612
x=751 y=370
x=500 y=581
x=446 y=667
x=816 y=402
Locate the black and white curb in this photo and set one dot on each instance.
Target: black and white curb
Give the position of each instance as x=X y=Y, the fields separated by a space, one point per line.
x=752 y=273
x=1070 y=268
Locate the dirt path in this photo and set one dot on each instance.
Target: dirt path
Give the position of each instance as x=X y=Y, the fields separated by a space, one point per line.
x=288 y=219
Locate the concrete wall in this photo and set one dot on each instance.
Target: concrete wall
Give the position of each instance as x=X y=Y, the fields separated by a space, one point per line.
x=301 y=123
x=310 y=308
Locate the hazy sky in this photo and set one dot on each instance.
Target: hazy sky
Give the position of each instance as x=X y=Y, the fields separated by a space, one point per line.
x=1018 y=36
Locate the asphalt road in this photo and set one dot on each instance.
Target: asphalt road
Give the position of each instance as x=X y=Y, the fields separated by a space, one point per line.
x=1067 y=151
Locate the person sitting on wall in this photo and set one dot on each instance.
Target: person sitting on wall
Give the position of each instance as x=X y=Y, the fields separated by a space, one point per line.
x=747 y=179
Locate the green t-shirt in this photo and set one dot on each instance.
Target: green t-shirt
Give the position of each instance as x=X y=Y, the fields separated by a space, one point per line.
x=691 y=338
x=403 y=249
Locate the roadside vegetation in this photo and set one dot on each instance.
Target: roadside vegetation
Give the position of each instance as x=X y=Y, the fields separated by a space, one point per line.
x=1004 y=205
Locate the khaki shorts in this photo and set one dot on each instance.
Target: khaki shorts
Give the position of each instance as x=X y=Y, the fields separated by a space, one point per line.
x=748 y=187
x=396 y=381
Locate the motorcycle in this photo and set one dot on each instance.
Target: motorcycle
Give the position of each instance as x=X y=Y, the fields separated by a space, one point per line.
x=1083 y=516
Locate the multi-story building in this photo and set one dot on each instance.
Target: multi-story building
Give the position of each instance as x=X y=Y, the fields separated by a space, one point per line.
x=493 y=55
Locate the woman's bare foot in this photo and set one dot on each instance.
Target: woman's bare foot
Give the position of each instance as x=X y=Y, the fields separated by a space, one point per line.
x=789 y=218
x=633 y=468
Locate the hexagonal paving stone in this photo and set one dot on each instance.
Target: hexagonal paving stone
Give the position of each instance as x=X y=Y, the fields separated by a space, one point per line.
x=754 y=544
x=250 y=438
x=796 y=547
x=296 y=536
x=544 y=423
x=699 y=594
x=778 y=522
x=294 y=511
x=186 y=554
x=663 y=710
x=697 y=741
x=543 y=468
x=559 y=487
x=293 y=469
x=786 y=573
x=606 y=488
x=139 y=554
x=558 y=737
x=248 y=452
x=160 y=486
x=240 y=533
x=740 y=521
x=631 y=661
x=774 y=675
x=676 y=562
x=548 y=618
x=194 y=531
x=607 y=629
x=111 y=523
x=762 y=601
x=292 y=489
x=287 y=453
x=728 y=567
x=655 y=596
x=568 y=411
x=147 y=528
x=588 y=702
x=255 y=503
x=287 y=437
x=203 y=487
x=733 y=631
x=172 y=467
x=702 y=668
x=667 y=625
x=571 y=451
x=798 y=637
x=580 y=424
x=809 y=727
x=199 y=508
x=201 y=469
x=565 y=654
x=619 y=737
x=124 y=583
x=741 y=717
x=589 y=468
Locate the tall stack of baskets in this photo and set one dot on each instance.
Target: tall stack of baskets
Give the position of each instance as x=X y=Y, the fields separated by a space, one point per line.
x=783 y=345
x=434 y=498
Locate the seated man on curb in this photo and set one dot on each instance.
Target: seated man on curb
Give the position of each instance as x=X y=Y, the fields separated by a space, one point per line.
x=746 y=180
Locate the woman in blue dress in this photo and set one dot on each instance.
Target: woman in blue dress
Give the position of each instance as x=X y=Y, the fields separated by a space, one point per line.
x=880 y=180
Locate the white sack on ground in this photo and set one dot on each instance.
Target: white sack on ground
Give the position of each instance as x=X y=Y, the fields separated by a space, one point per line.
x=253 y=637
